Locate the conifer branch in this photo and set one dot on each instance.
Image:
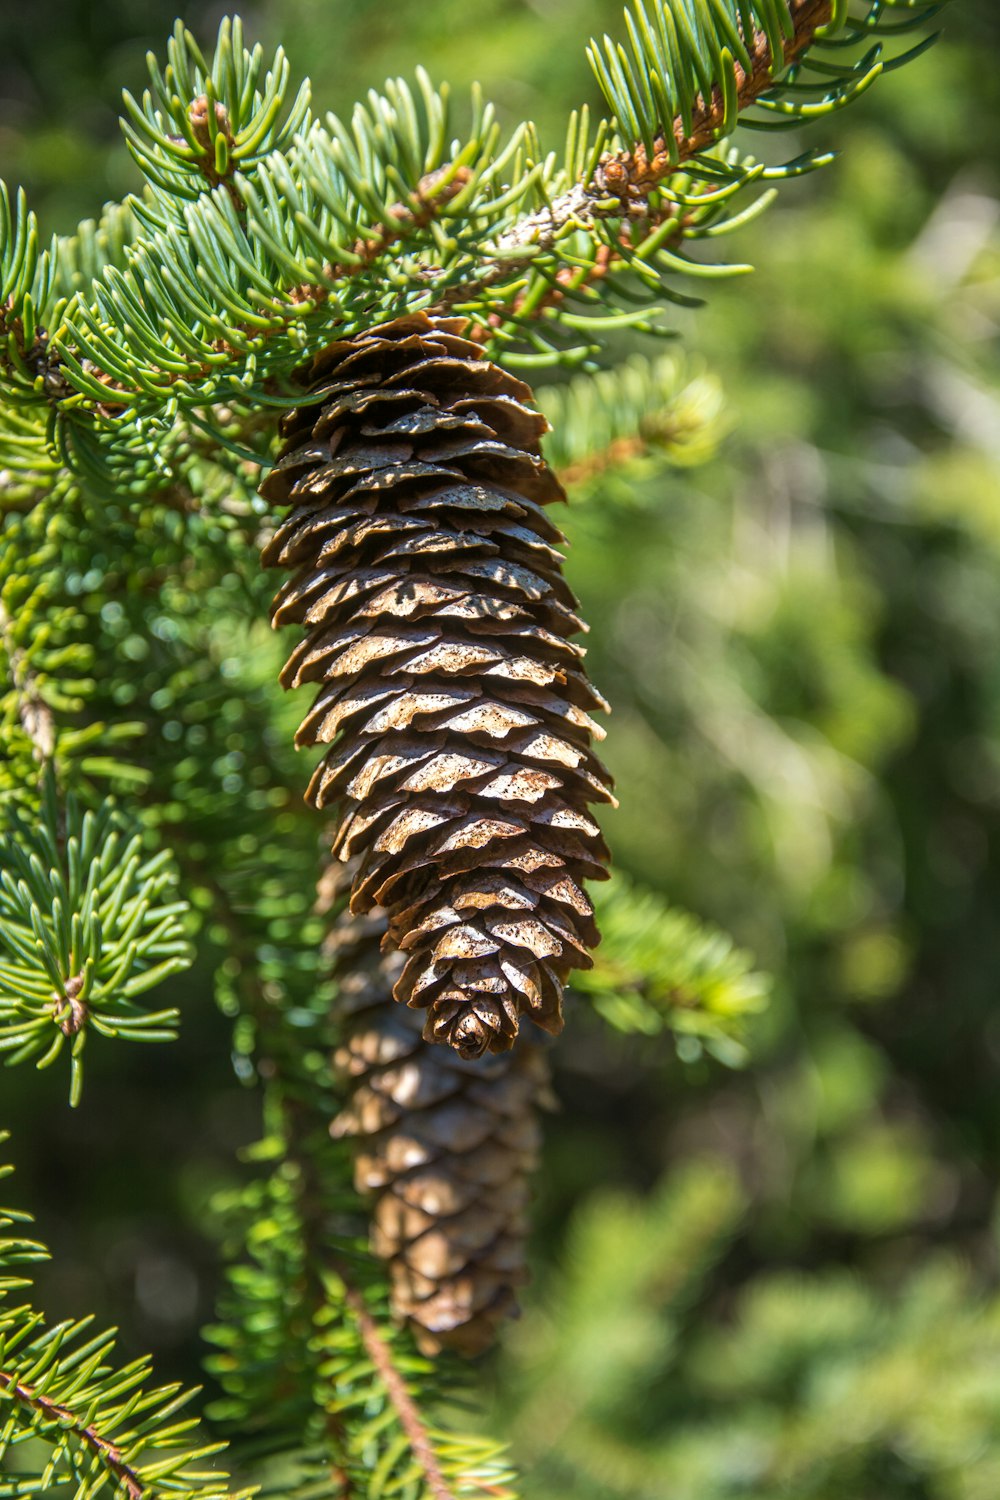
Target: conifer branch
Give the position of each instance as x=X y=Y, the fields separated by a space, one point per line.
x=660 y=968
x=603 y=425
x=620 y=186
x=710 y=116
x=46 y=661
x=86 y=926
x=109 y=1454
x=406 y=1408
x=194 y=292
x=624 y=179
x=104 y=1427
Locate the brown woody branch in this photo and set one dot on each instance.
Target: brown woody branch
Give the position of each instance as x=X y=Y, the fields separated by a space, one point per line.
x=636 y=172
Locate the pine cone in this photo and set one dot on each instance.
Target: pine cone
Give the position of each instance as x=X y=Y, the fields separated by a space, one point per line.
x=446 y=1145
x=456 y=709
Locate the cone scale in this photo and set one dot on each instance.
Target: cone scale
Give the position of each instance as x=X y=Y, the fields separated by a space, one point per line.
x=427 y=576
x=445 y=1150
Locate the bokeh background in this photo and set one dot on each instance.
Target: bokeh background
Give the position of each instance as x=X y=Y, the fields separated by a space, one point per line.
x=783 y=1278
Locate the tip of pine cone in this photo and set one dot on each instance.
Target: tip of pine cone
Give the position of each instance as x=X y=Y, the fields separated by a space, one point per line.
x=469 y=1034
x=470 y=1038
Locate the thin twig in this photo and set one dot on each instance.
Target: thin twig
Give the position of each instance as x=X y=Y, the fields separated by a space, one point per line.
x=619 y=451
x=108 y=1452
x=406 y=1408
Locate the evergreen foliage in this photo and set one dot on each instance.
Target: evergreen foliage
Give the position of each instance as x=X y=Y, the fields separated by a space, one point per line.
x=812 y=1384
x=657 y=967
x=612 y=419
x=143 y=362
x=46 y=669
x=87 y=926
x=223 y=277
x=70 y=1418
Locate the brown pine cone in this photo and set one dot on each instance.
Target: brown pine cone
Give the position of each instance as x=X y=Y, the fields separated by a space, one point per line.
x=445 y=1145
x=437 y=618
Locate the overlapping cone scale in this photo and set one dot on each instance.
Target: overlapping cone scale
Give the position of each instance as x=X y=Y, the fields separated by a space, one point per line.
x=428 y=579
x=445 y=1149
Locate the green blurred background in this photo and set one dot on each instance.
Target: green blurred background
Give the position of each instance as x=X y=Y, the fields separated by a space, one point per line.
x=781 y=1279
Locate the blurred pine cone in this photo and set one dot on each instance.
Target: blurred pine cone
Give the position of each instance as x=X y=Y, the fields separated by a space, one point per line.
x=446 y=1146
x=437 y=621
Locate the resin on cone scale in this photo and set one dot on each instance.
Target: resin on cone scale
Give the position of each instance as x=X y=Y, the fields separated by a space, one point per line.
x=438 y=625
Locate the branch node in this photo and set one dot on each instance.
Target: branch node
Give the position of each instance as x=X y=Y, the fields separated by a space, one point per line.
x=69 y=1011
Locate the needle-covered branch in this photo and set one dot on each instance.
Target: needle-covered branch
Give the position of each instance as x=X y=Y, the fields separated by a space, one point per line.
x=260 y=231
x=603 y=425
x=88 y=922
x=659 y=969
x=101 y=1429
